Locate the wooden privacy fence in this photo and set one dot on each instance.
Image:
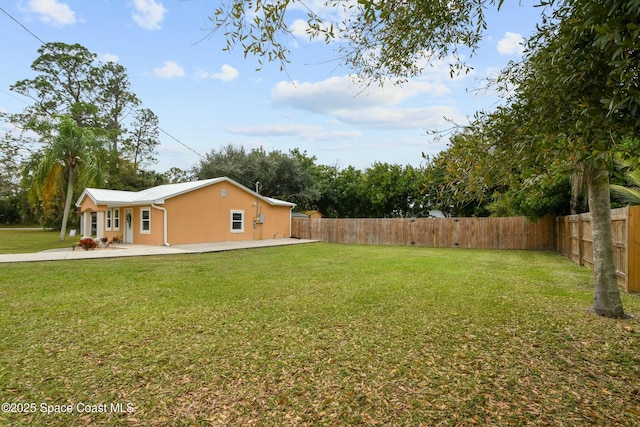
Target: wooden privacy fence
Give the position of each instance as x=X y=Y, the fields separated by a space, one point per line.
x=480 y=233
x=576 y=243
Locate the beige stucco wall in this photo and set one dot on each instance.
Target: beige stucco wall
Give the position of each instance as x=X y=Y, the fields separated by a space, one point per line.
x=88 y=205
x=204 y=215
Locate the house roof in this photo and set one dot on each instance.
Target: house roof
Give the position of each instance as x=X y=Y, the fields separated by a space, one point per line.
x=159 y=194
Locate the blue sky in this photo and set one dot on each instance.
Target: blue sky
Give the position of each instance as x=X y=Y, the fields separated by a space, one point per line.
x=207 y=98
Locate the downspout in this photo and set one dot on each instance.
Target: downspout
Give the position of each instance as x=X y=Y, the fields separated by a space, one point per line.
x=164 y=211
x=257 y=225
x=290 y=221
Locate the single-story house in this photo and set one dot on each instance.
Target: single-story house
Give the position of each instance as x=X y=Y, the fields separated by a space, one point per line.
x=210 y=210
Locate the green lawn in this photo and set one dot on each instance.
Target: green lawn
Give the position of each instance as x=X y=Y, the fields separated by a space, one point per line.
x=316 y=334
x=26 y=241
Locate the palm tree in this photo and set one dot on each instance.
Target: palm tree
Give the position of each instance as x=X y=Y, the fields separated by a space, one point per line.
x=71 y=155
x=630 y=195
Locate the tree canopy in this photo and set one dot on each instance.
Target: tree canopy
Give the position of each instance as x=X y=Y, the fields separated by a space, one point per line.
x=381 y=190
x=71 y=82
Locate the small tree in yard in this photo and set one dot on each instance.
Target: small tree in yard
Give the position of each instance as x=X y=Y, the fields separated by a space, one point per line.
x=70 y=156
x=578 y=89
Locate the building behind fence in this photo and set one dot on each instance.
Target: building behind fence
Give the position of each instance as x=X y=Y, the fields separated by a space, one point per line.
x=570 y=236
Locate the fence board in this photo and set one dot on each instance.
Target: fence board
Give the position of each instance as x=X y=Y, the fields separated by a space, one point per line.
x=633 y=249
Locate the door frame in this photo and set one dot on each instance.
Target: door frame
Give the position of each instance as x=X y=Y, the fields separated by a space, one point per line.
x=128 y=226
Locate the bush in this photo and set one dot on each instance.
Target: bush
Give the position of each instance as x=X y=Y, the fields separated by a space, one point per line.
x=87 y=243
x=9 y=213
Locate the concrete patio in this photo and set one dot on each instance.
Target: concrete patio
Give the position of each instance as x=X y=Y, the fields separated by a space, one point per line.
x=122 y=250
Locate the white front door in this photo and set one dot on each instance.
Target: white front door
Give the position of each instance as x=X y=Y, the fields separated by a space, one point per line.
x=128 y=226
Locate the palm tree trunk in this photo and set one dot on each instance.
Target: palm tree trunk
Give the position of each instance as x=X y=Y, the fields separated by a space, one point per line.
x=577 y=190
x=606 y=293
x=67 y=203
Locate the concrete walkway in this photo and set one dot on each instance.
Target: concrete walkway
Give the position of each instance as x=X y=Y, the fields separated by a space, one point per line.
x=142 y=250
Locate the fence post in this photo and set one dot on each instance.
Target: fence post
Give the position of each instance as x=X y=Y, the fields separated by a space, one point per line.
x=580 y=241
x=633 y=249
x=567 y=239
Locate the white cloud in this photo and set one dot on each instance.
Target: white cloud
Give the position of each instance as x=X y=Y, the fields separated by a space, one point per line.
x=342 y=93
x=53 y=12
x=306 y=132
x=149 y=14
x=300 y=28
x=374 y=107
x=337 y=135
x=108 y=57
x=329 y=13
x=169 y=70
x=511 y=43
x=226 y=74
x=402 y=118
x=277 y=129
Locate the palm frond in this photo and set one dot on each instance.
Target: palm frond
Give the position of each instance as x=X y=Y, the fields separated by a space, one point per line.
x=626 y=195
x=633 y=177
x=630 y=194
x=43 y=175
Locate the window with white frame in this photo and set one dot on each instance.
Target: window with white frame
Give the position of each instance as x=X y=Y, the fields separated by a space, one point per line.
x=145 y=221
x=237 y=221
x=116 y=219
x=109 y=220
